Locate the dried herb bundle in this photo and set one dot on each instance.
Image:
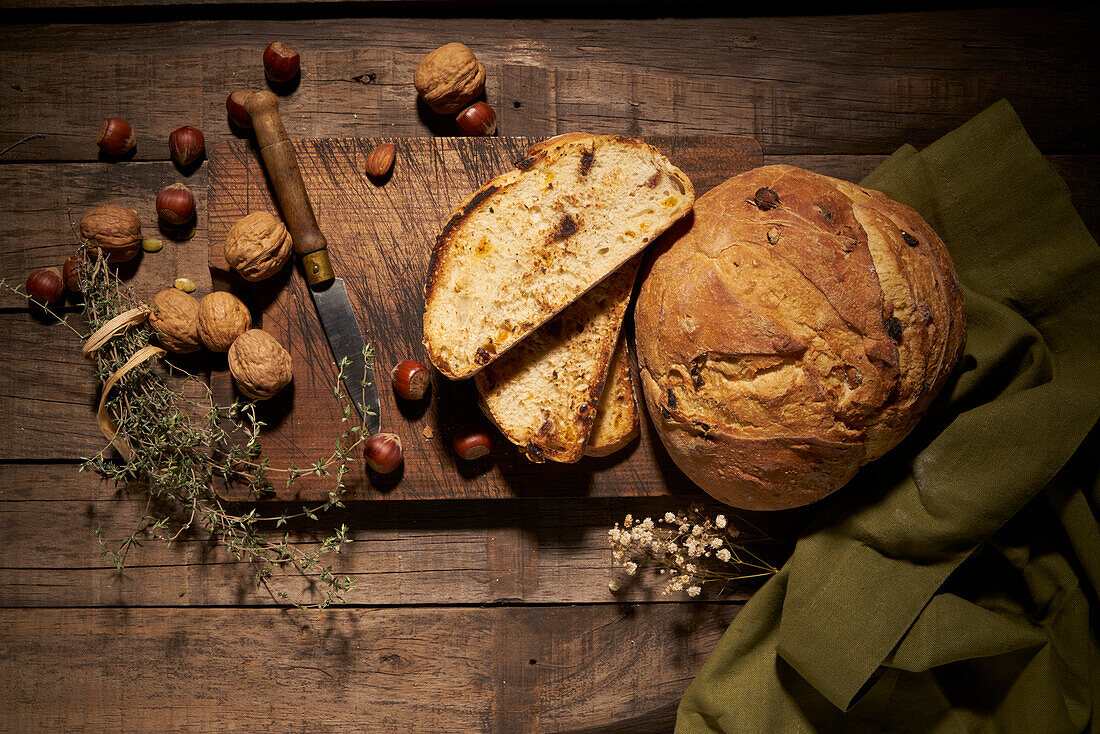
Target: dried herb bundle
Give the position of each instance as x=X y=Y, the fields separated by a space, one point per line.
x=180 y=445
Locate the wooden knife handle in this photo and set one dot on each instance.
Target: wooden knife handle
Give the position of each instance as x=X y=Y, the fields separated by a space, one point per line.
x=282 y=168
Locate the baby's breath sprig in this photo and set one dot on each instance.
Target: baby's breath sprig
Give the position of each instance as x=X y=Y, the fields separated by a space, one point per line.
x=181 y=445
x=690 y=548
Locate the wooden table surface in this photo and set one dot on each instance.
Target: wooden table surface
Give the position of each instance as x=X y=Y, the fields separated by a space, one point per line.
x=469 y=615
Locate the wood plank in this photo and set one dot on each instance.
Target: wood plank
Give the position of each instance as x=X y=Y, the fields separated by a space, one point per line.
x=837 y=84
x=430 y=552
x=43 y=204
x=380 y=242
x=435 y=669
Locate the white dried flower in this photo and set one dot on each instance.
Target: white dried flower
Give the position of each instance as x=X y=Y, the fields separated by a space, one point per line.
x=671 y=546
x=720 y=521
x=648 y=523
x=716 y=543
x=684 y=528
x=628 y=521
x=631 y=567
x=670 y=518
x=613 y=586
x=694 y=591
x=724 y=554
x=697 y=530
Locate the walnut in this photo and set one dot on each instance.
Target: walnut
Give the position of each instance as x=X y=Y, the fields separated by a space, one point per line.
x=257 y=246
x=175 y=317
x=449 y=78
x=259 y=364
x=114 y=230
x=222 y=318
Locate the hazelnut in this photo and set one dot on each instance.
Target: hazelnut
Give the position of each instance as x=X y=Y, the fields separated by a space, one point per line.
x=114 y=230
x=70 y=273
x=411 y=379
x=477 y=120
x=46 y=286
x=257 y=246
x=116 y=137
x=449 y=78
x=222 y=318
x=281 y=62
x=472 y=442
x=383 y=452
x=260 y=365
x=175 y=318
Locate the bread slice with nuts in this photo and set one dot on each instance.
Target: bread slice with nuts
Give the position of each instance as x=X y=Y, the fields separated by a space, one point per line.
x=543 y=393
x=534 y=240
x=617 y=421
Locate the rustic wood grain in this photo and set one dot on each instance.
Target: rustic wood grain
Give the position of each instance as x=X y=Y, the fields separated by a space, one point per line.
x=43 y=203
x=424 y=552
x=380 y=240
x=837 y=84
x=46 y=387
x=507 y=669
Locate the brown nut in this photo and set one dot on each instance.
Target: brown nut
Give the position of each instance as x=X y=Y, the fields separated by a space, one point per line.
x=175 y=318
x=449 y=78
x=114 y=230
x=222 y=318
x=257 y=246
x=260 y=365
x=380 y=161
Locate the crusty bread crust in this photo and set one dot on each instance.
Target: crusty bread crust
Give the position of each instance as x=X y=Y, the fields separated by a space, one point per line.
x=543 y=394
x=796 y=328
x=617 y=422
x=535 y=239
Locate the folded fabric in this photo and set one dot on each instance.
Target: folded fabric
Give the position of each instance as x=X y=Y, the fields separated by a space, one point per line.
x=875 y=623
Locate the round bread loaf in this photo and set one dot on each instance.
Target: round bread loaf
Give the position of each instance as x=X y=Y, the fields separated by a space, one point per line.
x=793 y=329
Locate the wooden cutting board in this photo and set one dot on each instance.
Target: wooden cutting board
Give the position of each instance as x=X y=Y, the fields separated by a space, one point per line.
x=380 y=240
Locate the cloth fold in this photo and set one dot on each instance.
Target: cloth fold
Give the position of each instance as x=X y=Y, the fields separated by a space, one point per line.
x=947 y=588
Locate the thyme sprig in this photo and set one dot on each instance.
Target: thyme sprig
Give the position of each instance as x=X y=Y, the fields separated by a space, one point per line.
x=183 y=443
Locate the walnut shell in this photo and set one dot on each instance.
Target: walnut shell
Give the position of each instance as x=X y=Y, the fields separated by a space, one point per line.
x=113 y=229
x=222 y=318
x=257 y=246
x=449 y=78
x=175 y=318
x=260 y=365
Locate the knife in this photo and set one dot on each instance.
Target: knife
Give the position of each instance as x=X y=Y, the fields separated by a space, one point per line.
x=329 y=294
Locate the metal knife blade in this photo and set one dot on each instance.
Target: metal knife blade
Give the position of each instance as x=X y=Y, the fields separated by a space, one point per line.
x=346 y=341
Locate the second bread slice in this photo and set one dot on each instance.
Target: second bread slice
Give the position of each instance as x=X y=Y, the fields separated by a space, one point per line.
x=532 y=241
x=617 y=422
x=544 y=393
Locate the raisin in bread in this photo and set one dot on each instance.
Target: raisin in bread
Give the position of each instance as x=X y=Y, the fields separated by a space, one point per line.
x=543 y=393
x=616 y=422
x=534 y=240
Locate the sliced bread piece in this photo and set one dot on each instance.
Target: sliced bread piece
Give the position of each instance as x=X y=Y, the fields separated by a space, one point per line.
x=532 y=241
x=543 y=393
x=616 y=423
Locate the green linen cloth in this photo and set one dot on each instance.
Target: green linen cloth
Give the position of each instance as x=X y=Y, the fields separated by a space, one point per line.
x=948 y=588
